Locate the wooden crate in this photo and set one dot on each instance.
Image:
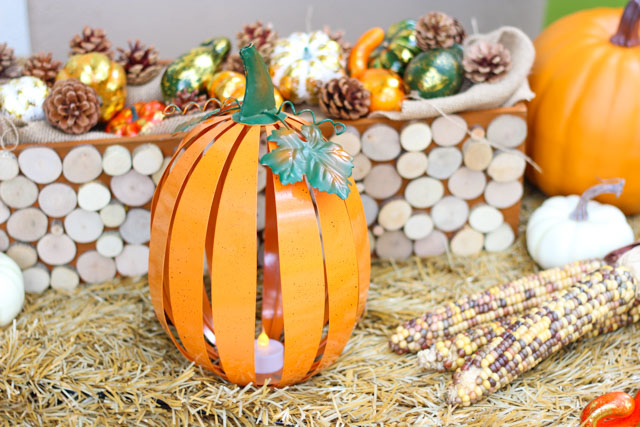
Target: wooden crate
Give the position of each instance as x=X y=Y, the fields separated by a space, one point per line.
x=50 y=242
x=405 y=212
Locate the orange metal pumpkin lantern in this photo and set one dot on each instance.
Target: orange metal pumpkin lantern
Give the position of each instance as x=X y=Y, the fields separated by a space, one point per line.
x=316 y=257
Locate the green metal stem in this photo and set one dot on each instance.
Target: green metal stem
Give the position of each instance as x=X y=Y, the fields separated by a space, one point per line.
x=259 y=98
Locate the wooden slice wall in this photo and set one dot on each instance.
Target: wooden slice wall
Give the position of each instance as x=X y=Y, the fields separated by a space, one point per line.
x=79 y=211
x=436 y=184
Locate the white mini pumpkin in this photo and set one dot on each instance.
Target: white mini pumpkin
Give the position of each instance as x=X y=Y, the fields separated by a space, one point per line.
x=572 y=228
x=302 y=62
x=11 y=290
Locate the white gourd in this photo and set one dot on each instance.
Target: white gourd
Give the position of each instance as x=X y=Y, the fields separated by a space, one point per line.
x=11 y=290
x=572 y=228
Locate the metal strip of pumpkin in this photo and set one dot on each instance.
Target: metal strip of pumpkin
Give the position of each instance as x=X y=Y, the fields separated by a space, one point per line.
x=233 y=230
x=163 y=207
x=187 y=248
x=301 y=275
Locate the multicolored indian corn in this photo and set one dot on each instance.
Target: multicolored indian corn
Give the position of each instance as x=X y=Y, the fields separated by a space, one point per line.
x=571 y=314
x=499 y=301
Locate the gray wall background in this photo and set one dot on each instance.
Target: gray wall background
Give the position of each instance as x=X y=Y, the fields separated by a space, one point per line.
x=175 y=26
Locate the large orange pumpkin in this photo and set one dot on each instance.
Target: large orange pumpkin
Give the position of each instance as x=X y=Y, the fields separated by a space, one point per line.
x=316 y=253
x=584 y=122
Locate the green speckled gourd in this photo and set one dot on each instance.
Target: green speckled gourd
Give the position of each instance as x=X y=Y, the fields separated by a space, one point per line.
x=435 y=73
x=398 y=48
x=195 y=69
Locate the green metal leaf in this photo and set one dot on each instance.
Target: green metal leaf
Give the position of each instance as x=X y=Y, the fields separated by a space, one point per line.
x=325 y=164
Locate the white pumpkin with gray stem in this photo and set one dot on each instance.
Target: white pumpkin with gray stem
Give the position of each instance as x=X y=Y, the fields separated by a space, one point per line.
x=11 y=290
x=572 y=228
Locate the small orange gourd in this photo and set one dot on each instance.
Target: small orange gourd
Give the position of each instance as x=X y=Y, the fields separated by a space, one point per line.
x=316 y=255
x=583 y=122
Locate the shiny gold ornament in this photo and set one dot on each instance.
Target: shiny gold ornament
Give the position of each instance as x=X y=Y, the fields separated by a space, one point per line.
x=23 y=97
x=229 y=84
x=195 y=69
x=107 y=77
x=303 y=62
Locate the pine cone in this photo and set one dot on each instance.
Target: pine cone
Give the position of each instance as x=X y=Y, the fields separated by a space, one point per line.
x=185 y=96
x=91 y=40
x=345 y=98
x=8 y=65
x=233 y=63
x=72 y=106
x=338 y=37
x=486 y=62
x=437 y=29
x=262 y=36
x=139 y=62
x=42 y=66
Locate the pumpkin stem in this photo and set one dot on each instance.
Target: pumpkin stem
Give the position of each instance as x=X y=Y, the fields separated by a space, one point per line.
x=258 y=97
x=580 y=212
x=627 y=34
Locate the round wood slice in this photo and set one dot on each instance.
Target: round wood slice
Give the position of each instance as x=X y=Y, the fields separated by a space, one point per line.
x=24 y=254
x=434 y=244
x=377 y=230
x=4 y=241
x=57 y=199
x=467 y=184
x=477 y=133
x=450 y=213
x=95 y=268
x=381 y=143
x=394 y=245
x=56 y=249
x=82 y=164
x=467 y=242
x=64 y=278
x=83 y=226
x=382 y=182
x=477 y=155
x=110 y=244
x=424 y=192
x=443 y=161
x=370 y=209
x=5 y=212
x=36 y=279
x=147 y=159
x=27 y=225
x=448 y=131
x=262 y=178
x=360 y=187
x=133 y=261
x=93 y=196
x=507 y=130
x=485 y=218
x=157 y=175
x=349 y=141
x=499 y=239
x=412 y=164
x=136 y=228
x=503 y=194
x=9 y=167
x=40 y=164
x=133 y=188
x=361 y=167
x=18 y=192
x=506 y=166
x=372 y=241
x=116 y=160
x=113 y=215
x=418 y=226
x=394 y=214
x=261 y=211
x=415 y=136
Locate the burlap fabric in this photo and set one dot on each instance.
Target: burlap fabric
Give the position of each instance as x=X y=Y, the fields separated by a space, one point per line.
x=508 y=91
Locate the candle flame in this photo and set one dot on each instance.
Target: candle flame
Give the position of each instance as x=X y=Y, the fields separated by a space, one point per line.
x=263 y=340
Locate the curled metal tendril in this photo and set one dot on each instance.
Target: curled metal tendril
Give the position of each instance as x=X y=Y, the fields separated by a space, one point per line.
x=338 y=127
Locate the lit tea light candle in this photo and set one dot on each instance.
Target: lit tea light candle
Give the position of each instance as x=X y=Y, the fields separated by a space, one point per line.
x=269 y=354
